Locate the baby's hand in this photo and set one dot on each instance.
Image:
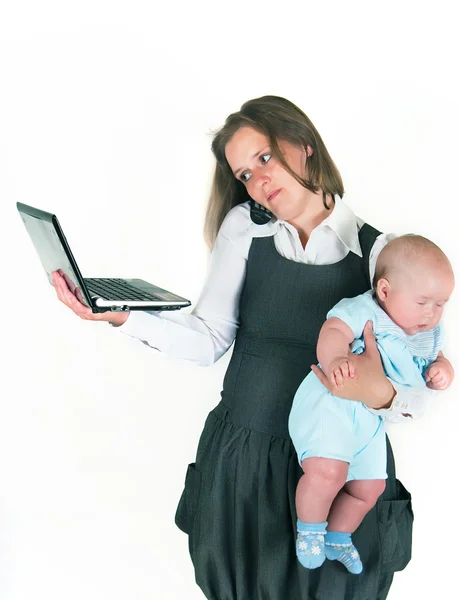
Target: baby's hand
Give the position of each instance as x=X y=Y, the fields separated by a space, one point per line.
x=341 y=369
x=440 y=374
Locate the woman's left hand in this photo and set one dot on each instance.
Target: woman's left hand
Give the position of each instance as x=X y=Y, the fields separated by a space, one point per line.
x=370 y=384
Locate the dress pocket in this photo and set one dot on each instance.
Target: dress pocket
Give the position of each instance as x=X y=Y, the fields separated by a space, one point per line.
x=186 y=510
x=395 y=522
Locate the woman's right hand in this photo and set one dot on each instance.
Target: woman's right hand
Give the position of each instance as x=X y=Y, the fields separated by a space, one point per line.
x=70 y=295
x=369 y=384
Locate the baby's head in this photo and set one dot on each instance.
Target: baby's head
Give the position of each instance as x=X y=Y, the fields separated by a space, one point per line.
x=413 y=281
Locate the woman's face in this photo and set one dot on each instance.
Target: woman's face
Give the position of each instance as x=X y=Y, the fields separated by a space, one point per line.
x=268 y=183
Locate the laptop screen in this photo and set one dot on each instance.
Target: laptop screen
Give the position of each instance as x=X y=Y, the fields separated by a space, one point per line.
x=49 y=248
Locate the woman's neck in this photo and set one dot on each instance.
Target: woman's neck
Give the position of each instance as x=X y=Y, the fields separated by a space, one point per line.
x=312 y=216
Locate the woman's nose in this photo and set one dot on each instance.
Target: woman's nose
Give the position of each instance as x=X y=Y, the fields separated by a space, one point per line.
x=261 y=179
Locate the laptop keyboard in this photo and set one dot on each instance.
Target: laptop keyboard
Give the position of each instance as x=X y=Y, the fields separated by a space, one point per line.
x=117 y=289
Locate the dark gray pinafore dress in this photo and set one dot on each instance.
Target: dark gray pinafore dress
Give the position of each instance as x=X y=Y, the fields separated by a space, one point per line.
x=238 y=506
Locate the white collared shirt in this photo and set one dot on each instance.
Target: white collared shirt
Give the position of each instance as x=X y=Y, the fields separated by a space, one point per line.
x=206 y=333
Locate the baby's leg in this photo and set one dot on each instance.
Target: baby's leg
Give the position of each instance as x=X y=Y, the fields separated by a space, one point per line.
x=317 y=488
x=352 y=503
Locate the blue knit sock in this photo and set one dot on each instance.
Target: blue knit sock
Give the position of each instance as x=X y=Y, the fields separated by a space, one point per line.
x=310 y=544
x=339 y=546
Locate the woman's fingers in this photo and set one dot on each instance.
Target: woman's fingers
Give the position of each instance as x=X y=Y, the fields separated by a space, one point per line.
x=321 y=376
x=369 y=338
x=79 y=295
x=61 y=289
x=66 y=296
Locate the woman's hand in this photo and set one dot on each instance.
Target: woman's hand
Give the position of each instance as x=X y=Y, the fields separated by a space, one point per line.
x=369 y=385
x=70 y=295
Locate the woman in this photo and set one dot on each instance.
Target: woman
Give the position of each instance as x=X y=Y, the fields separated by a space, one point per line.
x=287 y=250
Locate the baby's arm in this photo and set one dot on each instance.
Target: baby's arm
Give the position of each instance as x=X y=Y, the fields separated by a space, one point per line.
x=440 y=374
x=333 y=350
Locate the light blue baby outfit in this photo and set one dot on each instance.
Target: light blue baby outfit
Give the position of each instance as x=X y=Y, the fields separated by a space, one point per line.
x=323 y=425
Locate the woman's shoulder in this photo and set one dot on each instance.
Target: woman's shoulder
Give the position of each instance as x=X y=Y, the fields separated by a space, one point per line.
x=238 y=224
x=238 y=230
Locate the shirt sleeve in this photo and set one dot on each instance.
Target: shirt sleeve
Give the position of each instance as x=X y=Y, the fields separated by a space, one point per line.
x=205 y=334
x=355 y=312
x=409 y=403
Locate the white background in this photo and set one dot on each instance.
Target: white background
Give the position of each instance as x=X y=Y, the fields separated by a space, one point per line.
x=106 y=115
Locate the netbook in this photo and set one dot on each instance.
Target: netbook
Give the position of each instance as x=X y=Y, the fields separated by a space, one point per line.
x=101 y=295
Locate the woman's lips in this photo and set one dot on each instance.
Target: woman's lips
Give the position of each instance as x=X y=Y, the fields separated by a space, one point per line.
x=272 y=195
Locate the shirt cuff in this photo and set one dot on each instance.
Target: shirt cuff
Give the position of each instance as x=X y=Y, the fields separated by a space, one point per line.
x=409 y=403
x=135 y=326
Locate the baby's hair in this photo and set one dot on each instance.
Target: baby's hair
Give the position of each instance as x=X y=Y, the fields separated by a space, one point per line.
x=406 y=248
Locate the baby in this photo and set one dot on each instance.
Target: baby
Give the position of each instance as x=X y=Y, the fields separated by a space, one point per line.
x=340 y=443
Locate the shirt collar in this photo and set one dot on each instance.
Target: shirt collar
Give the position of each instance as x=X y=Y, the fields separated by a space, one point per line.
x=342 y=221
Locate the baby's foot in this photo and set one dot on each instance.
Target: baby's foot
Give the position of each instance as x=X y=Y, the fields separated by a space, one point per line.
x=310 y=547
x=339 y=546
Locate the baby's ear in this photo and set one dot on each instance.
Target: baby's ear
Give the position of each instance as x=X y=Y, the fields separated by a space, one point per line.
x=382 y=289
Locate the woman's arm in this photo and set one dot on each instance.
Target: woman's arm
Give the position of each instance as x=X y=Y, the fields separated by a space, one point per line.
x=409 y=403
x=206 y=333
x=370 y=385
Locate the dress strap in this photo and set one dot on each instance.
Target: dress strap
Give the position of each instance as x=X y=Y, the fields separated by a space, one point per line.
x=367 y=238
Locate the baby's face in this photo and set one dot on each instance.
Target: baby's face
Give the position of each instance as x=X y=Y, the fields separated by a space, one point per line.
x=415 y=302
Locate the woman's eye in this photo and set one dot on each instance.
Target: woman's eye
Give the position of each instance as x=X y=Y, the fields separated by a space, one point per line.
x=264 y=158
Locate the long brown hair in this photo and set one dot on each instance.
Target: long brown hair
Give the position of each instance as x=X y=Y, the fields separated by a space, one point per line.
x=278 y=119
